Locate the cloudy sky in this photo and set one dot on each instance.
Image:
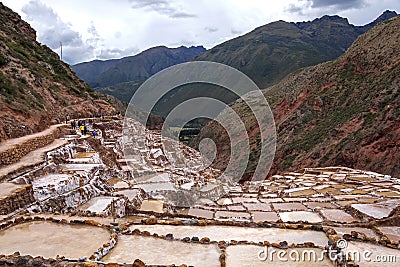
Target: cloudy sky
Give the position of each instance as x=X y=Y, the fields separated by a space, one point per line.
x=105 y=29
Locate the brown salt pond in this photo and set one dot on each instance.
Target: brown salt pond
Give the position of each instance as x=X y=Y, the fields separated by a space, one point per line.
x=319 y=205
x=262 y=216
x=336 y=215
x=297 y=216
x=152 y=205
x=51 y=239
x=201 y=213
x=247 y=256
x=156 y=251
x=289 y=206
x=227 y=233
x=257 y=206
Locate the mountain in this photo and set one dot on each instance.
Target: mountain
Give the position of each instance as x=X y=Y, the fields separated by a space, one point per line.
x=266 y=54
x=101 y=74
x=342 y=112
x=36 y=88
x=270 y=52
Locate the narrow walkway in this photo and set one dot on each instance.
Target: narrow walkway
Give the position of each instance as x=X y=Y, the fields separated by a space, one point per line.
x=7 y=144
x=33 y=158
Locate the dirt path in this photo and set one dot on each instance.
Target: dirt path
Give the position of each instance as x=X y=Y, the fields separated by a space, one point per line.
x=33 y=158
x=13 y=142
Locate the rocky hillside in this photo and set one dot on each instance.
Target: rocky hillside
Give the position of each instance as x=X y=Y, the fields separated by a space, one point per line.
x=36 y=88
x=270 y=52
x=106 y=73
x=343 y=112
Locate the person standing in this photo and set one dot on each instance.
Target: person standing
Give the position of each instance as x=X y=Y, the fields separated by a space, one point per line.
x=66 y=118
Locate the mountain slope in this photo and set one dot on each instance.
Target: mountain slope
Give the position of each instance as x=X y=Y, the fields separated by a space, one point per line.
x=36 y=88
x=134 y=68
x=342 y=112
x=270 y=52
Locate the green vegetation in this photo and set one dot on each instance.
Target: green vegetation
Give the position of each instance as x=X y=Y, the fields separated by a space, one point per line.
x=3 y=61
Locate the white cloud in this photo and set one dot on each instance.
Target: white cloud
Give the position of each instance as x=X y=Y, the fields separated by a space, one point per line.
x=104 y=29
x=164 y=7
x=117 y=53
x=53 y=32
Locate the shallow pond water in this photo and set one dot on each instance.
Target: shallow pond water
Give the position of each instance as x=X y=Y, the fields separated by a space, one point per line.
x=51 y=239
x=156 y=251
x=227 y=233
x=152 y=205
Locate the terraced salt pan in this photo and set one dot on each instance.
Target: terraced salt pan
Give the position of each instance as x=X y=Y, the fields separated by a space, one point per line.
x=289 y=206
x=347 y=230
x=121 y=185
x=227 y=233
x=296 y=216
x=392 y=232
x=247 y=256
x=337 y=215
x=261 y=216
x=373 y=210
x=51 y=239
x=80 y=167
x=129 y=193
x=97 y=204
x=201 y=213
x=152 y=205
x=154 y=251
x=153 y=187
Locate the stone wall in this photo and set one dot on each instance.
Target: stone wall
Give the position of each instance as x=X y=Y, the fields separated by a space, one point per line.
x=19 y=198
x=15 y=153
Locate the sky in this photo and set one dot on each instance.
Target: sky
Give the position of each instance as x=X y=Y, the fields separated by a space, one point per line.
x=106 y=29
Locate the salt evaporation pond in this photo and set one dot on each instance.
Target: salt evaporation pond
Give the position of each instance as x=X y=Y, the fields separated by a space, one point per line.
x=156 y=251
x=97 y=204
x=227 y=233
x=51 y=239
x=247 y=256
x=129 y=193
x=152 y=205
x=80 y=167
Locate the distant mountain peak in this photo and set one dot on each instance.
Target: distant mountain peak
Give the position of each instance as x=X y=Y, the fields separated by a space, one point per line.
x=388 y=14
x=135 y=68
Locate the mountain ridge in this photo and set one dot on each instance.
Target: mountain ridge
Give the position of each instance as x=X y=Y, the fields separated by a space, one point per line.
x=100 y=74
x=266 y=54
x=344 y=112
x=270 y=52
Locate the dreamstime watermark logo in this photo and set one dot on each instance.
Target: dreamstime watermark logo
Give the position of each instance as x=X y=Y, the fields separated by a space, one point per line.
x=341 y=253
x=152 y=91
